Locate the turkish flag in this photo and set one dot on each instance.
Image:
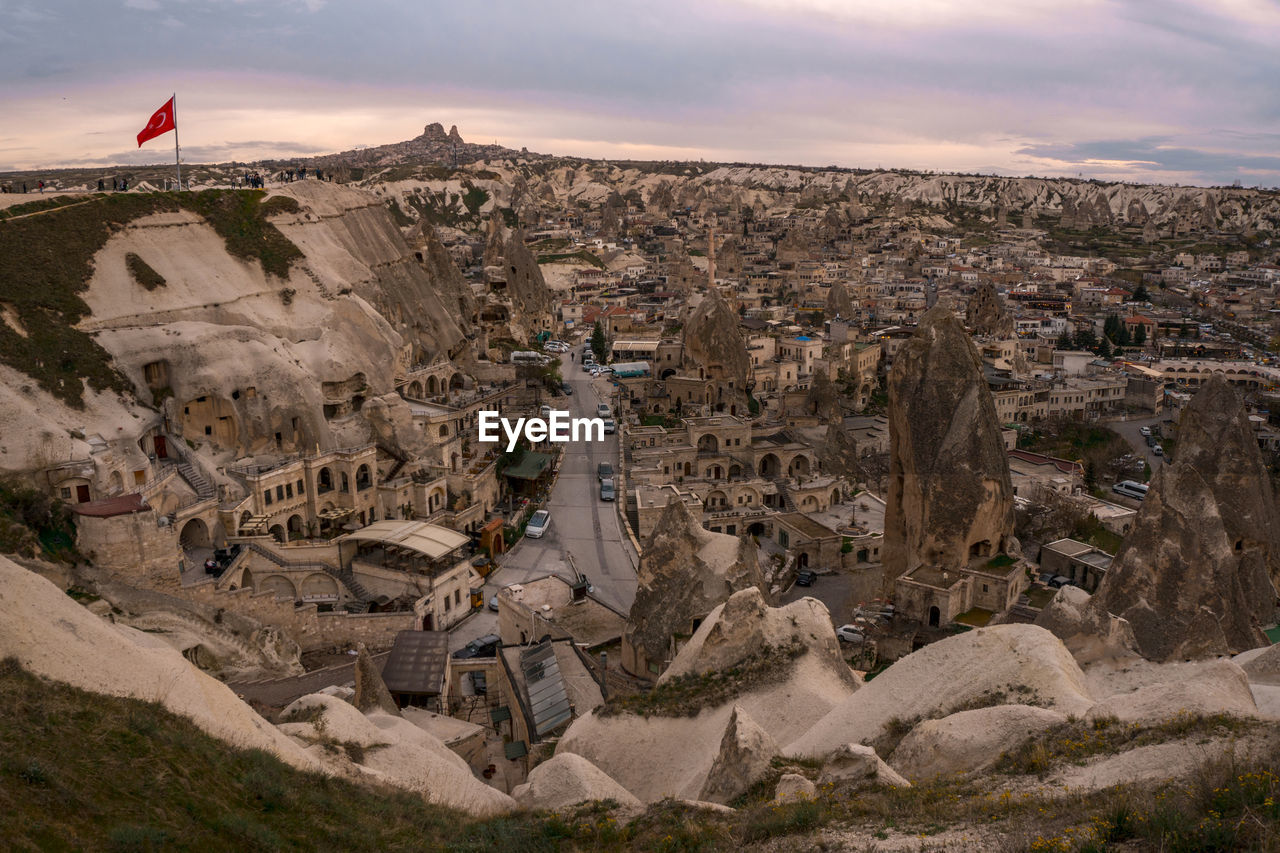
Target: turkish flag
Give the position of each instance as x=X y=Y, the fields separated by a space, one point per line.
x=162 y=122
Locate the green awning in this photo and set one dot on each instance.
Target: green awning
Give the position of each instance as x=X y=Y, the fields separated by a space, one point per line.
x=500 y=714
x=530 y=467
x=516 y=749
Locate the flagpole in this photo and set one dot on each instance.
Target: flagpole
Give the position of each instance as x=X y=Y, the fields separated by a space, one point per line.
x=177 y=158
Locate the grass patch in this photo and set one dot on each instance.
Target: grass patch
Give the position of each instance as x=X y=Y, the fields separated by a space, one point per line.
x=1039 y=596
x=142 y=272
x=686 y=695
x=46 y=264
x=41 y=205
x=1076 y=740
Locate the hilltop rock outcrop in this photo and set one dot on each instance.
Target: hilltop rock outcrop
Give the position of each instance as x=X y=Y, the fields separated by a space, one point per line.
x=685 y=572
x=986 y=314
x=950 y=497
x=1194 y=578
x=968 y=741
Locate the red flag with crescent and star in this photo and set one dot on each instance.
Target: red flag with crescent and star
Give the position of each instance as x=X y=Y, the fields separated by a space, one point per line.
x=161 y=122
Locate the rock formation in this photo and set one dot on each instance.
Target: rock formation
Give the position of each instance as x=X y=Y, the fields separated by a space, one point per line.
x=714 y=350
x=969 y=740
x=1089 y=633
x=792 y=787
x=986 y=314
x=567 y=779
x=744 y=625
x=371 y=691
x=839 y=303
x=1195 y=575
x=670 y=753
x=508 y=262
x=950 y=498
x=685 y=572
x=855 y=762
x=746 y=751
x=1017 y=664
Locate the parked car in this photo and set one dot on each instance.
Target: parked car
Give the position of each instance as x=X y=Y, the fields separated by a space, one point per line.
x=480 y=647
x=538 y=524
x=805 y=577
x=850 y=634
x=1157 y=450
x=1059 y=581
x=604 y=471
x=603 y=410
x=566 y=389
x=545 y=412
x=610 y=426
x=606 y=491
x=1145 y=431
x=493 y=602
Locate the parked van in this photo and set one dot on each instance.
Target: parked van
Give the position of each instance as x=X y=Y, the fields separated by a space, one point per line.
x=1130 y=489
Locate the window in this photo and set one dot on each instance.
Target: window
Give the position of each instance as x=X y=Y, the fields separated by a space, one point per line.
x=301 y=490
x=279 y=493
x=266 y=496
x=457 y=596
x=65 y=493
x=447 y=604
x=288 y=490
x=984 y=588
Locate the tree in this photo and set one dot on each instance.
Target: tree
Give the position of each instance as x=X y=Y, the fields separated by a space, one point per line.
x=1104 y=348
x=1140 y=335
x=599 y=343
x=1085 y=338
x=1140 y=294
x=1065 y=340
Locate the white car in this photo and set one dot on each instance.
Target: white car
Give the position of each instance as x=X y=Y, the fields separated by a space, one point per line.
x=850 y=634
x=538 y=524
x=1145 y=431
x=603 y=410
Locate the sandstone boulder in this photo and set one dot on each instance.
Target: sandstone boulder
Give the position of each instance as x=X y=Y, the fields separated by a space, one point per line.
x=1216 y=687
x=1088 y=633
x=950 y=497
x=968 y=741
x=1262 y=666
x=567 y=779
x=854 y=762
x=744 y=625
x=1015 y=664
x=1194 y=577
x=746 y=751
x=792 y=787
x=371 y=693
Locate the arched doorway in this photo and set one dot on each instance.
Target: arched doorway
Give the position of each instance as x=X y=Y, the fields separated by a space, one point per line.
x=799 y=466
x=708 y=443
x=195 y=534
x=278 y=533
x=770 y=466
x=803 y=560
x=935 y=616
x=433 y=387
x=295 y=527
x=756 y=529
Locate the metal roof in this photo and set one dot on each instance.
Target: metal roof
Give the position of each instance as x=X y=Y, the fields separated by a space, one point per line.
x=548 y=701
x=430 y=540
x=417 y=663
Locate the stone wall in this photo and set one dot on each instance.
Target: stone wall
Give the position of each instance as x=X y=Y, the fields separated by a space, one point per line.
x=132 y=548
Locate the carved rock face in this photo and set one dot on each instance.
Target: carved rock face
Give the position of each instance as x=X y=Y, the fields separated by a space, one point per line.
x=1195 y=577
x=950 y=497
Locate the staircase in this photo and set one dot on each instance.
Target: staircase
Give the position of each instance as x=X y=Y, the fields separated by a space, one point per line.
x=363 y=596
x=203 y=488
x=784 y=495
x=400 y=458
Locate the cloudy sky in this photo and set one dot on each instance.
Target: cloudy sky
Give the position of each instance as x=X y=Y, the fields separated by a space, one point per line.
x=1184 y=91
